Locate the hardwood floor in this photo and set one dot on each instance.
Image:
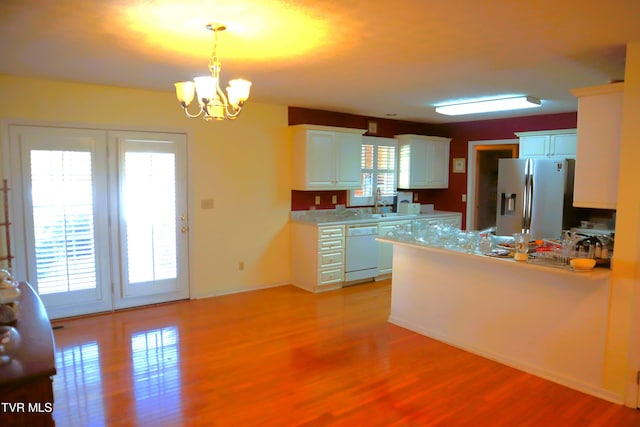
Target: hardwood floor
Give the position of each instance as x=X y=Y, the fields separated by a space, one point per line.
x=286 y=357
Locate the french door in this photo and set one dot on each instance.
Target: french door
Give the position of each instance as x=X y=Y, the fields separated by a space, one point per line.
x=100 y=217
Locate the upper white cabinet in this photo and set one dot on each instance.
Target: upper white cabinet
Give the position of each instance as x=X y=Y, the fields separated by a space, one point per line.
x=326 y=158
x=548 y=144
x=424 y=161
x=598 y=157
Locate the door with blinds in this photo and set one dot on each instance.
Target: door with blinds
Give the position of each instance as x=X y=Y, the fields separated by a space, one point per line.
x=152 y=217
x=99 y=217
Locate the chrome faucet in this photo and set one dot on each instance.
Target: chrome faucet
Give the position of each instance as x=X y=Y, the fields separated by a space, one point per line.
x=377 y=200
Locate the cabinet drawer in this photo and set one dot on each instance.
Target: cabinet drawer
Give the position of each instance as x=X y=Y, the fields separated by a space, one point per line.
x=330 y=259
x=335 y=231
x=330 y=244
x=330 y=275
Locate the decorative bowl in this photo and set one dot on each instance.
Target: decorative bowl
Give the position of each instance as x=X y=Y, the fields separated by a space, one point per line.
x=582 y=263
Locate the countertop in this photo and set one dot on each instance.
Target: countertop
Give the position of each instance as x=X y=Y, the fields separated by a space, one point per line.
x=326 y=217
x=595 y=274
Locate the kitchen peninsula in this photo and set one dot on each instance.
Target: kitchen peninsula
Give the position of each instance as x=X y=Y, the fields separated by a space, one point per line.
x=547 y=321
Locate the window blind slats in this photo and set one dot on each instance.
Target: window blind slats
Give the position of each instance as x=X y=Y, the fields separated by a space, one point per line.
x=378 y=171
x=62 y=196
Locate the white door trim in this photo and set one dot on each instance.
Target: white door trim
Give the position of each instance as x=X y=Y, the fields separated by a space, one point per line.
x=471 y=172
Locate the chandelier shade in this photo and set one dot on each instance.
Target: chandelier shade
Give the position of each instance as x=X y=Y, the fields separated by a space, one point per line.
x=212 y=101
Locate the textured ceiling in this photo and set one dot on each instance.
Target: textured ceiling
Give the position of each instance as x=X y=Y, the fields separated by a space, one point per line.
x=373 y=58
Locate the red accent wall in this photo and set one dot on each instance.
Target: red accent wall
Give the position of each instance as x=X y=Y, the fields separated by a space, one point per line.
x=460 y=133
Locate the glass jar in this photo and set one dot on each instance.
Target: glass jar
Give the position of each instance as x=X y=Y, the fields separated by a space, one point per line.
x=486 y=243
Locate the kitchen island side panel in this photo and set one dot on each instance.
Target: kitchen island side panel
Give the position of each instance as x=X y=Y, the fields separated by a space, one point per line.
x=545 y=321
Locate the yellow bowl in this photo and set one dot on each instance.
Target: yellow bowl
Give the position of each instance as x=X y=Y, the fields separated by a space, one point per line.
x=582 y=263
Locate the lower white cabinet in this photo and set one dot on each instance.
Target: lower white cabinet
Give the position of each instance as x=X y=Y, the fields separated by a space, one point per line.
x=318 y=251
x=385 y=250
x=317 y=256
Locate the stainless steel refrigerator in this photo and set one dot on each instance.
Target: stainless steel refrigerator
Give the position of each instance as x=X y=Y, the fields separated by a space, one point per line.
x=535 y=197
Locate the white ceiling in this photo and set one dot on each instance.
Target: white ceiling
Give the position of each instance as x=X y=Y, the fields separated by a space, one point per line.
x=371 y=58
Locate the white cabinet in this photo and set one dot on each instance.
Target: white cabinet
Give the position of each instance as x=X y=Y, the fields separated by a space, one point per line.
x=424 y=161
x=326 y=158
x=548 y=144
x=317 y=256
x=385 y=250
x=453 y=220
x=598 y=157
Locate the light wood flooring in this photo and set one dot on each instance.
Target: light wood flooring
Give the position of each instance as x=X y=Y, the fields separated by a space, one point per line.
x=286 y=357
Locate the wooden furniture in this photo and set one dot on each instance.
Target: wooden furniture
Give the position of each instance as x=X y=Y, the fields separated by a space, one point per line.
x=5 y=223
x=424 y=161
x=26 y=382
x=599 y=136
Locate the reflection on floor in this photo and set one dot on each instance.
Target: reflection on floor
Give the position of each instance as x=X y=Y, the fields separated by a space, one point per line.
x=285 y=357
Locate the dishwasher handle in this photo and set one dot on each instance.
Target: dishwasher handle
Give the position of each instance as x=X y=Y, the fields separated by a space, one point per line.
x=362 y=230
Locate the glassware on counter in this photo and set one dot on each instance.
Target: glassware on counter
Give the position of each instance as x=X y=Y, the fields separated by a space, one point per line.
x=521 y=246
x=486 y=243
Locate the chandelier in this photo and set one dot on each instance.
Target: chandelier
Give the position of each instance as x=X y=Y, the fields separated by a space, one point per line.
x=214 y=104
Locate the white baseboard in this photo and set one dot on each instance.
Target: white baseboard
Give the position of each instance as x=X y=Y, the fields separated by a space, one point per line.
x=517 y=364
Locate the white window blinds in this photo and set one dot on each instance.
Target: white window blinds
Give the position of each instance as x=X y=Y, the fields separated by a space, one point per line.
x=378 y=170
x=62 y=197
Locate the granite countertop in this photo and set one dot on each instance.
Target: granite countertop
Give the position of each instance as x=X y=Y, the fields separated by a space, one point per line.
x=593 y=274
x=354 y=216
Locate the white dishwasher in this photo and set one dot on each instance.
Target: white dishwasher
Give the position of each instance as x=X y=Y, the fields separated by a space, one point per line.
x=361 y=252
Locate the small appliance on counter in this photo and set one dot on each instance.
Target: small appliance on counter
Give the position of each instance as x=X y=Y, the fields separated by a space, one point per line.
x=409 y=208
x=402 y=198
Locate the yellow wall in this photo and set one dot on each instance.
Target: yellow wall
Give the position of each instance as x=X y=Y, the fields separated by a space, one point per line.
x=623 y=344
x=244 y=165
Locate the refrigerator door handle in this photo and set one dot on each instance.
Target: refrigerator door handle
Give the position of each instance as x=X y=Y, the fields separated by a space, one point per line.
x=530 y=207
x=527 y=207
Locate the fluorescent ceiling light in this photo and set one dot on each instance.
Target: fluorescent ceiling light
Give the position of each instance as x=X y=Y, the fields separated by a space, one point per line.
x=489 y=105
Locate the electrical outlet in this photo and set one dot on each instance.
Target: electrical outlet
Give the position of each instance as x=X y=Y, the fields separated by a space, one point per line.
x=464 y=197
x=334 y=199
x=241 y=265
x=206 y=204
x=317 y=200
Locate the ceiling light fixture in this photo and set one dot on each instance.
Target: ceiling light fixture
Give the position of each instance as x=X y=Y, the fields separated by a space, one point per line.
x=213 y=102
x=489 y=105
